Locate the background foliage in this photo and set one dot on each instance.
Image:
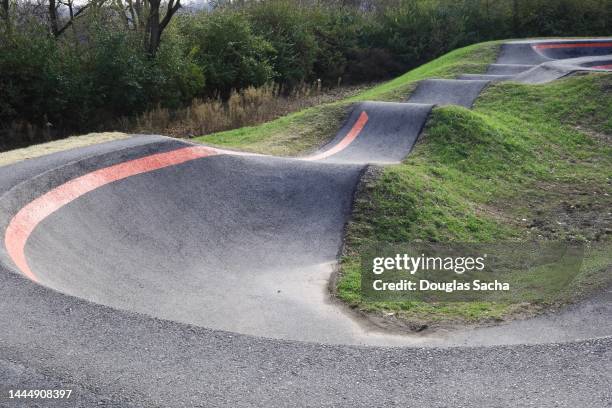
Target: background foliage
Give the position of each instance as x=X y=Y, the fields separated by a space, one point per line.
x=99 y=70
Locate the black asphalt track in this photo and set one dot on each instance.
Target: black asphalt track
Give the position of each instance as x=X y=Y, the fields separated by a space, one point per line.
x=387 y=137
x=27 y=169
x=549 y=71
x=229 y=244
x=553 y=59
x=560 y=49
x=507 y=69
x=447 y=92
x=175 y=252
x=484 y=77
x=113 y=358
x=520 y=52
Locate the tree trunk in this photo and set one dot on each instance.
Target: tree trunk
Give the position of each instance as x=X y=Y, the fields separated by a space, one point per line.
x=56 y=30
x=515 y=17
x=4 y=9
x=53 y=18
x=155 y=27
x=152 y=28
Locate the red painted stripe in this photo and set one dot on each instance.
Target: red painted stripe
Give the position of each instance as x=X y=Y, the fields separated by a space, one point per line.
x=348 y=139
x=25 y=221
x=572 y=45
x=609 y=66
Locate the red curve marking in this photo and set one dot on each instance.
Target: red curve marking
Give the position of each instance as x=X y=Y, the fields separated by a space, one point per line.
x=572 y=45
x=25 y=221
x=348 y=139
x=609 y=66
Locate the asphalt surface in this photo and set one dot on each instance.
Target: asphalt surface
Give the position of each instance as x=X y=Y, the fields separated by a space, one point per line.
x=507 y=69
x=189 y=284
x=120 y=358
x=485 y=77
x=387 y=137
x=447 y=92
x=556 y=58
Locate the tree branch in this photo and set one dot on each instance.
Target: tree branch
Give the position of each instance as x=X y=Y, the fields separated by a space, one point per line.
x=73 y=16
x=80 y=11
x=172 y=9
x=4 y=9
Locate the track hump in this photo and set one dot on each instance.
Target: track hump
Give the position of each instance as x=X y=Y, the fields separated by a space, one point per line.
x=447 y=92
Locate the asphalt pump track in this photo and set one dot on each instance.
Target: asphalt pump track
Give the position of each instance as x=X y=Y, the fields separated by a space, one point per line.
x=151 y=269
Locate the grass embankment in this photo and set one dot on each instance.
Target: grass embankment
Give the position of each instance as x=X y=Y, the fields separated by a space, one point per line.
x=306 y=130
x=529 y=162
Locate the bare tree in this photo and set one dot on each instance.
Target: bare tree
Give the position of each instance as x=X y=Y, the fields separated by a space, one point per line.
x=4 y=9
x=53 y=11
x=145 y=16
x=133 y=12
x=74 y=12
x=155 y=25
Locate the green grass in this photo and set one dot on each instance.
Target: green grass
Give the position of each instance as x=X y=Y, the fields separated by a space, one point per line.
x=290 y=135
x=305 y=131
x=528 y=163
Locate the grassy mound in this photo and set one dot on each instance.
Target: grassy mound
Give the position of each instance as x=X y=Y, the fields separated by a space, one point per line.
x=528 y=163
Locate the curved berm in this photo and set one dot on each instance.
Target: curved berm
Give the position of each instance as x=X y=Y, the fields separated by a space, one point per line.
x=169 y=229
x=171 y=234
x=563 y=49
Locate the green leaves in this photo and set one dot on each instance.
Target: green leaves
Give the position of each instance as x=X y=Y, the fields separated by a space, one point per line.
x=231 y=55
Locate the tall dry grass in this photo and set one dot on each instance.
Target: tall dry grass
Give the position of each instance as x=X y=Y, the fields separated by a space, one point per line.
x=249 y=106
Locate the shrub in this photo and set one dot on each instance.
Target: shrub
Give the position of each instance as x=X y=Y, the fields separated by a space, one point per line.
x=120 y=71
x=290 y=32
x=179 y=79
x=336 y=32
x=231 y=55
x=28 y=80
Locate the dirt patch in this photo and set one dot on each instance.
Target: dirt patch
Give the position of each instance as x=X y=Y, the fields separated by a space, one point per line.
x=398 y=322
x=569 y=211
x=598 y=136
